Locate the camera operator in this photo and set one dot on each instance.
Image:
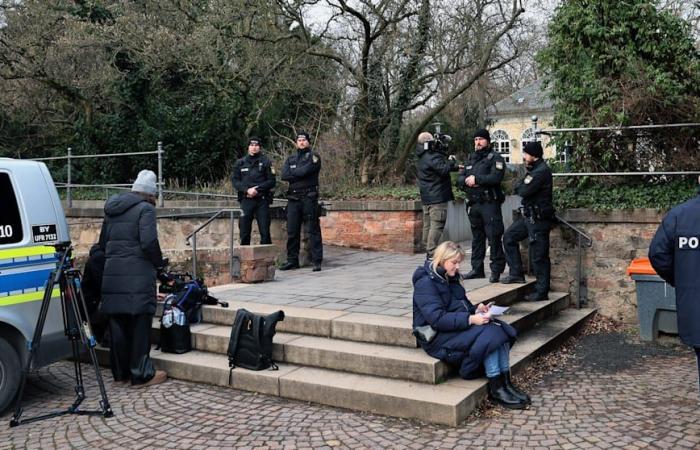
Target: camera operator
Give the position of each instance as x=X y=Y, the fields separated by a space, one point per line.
x=535 y=222
x=433 y=173
x=129 y=238
x=481 y=180
x=254 y=179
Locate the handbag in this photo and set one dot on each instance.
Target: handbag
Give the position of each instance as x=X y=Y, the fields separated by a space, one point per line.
x=424 y=333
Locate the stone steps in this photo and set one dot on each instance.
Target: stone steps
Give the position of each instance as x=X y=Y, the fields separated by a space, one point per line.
x=359 y=327
x=446 y=403
x=383 y=360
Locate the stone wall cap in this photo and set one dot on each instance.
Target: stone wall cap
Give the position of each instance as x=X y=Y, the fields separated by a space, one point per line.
x=374 y=205
x=641 y=215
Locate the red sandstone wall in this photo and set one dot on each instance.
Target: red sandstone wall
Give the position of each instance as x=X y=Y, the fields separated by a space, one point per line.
x=393 y=230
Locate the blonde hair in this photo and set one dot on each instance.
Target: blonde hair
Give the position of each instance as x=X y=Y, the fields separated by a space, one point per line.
x=446 y=250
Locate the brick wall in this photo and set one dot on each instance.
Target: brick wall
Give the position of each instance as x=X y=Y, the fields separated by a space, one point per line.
x=374 y=225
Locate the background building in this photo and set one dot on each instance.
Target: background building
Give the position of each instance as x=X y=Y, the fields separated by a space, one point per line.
x=511 y=122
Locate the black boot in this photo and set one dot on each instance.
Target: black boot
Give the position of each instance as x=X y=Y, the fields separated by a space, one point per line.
x=495 y=277
x=472 y=274
x=289 y=265
x=499 y=394
x=520 y=395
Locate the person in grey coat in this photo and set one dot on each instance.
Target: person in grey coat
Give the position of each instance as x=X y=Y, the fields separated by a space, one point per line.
x=129 y=238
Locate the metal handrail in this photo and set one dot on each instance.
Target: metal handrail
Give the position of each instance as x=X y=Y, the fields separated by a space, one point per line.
x=620 y=174
x=581 y=289
x=191 y=238
x=70 y=157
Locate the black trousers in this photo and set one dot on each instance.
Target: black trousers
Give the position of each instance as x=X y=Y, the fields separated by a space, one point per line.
x=538 y=235
x=258 y=209
x=130 y=346
x=304 y=211
x=487 y=223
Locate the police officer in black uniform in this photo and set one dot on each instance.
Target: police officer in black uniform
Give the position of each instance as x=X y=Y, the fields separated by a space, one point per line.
x=301 y=171
x=535 y=222
x=481 y=180
x=254 y=180
x=675 y=255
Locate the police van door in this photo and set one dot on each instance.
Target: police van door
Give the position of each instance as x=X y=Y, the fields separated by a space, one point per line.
x=28 y=223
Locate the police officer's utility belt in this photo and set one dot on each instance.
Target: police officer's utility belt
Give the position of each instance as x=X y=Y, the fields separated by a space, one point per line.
x=486 y=196
x=302 y=191
x=537 y=212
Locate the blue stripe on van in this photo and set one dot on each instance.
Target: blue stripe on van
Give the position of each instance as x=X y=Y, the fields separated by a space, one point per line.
x=36 y=279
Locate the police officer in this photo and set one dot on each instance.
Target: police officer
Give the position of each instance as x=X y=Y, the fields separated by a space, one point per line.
x=481 y=180
x=675 y=255
x=301 y=171
x=433 y=173
x=534 y=223
x=254 y=180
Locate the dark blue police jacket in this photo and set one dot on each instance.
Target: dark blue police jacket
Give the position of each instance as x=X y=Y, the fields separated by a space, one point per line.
x=441 y=301
x=675 y=255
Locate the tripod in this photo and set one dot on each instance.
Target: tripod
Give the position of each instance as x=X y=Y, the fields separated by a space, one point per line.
x=77 y=329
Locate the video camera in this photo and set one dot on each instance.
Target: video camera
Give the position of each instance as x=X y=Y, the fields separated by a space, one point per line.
x=439 y=143
x=184 y=282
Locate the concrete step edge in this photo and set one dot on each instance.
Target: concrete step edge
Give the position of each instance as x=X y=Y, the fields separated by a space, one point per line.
x=447 y=403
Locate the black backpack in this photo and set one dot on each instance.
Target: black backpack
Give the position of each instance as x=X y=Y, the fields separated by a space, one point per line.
x=250 y=345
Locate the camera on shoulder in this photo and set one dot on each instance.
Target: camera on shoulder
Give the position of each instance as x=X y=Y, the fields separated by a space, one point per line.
x=439 y=143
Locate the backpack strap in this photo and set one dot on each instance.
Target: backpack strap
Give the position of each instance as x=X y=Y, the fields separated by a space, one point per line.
x=241 y=315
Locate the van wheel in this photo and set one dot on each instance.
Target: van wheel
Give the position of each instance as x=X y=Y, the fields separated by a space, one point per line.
x=10 y=374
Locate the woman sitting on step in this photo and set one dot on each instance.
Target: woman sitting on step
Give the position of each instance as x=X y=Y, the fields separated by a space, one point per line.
x=465 y=335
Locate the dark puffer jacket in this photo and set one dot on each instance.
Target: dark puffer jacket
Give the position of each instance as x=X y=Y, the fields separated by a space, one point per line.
x=129 y=239
x=441 y=302
x=433 y=173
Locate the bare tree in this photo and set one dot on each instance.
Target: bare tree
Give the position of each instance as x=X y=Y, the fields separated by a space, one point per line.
x=399 y=57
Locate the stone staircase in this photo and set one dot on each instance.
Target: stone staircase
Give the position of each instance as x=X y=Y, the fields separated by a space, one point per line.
x=366 y=362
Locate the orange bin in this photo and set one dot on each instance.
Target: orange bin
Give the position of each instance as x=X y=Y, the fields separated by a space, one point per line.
x=640 y=266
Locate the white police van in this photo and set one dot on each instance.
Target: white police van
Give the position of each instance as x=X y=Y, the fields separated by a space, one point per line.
x=31 y=219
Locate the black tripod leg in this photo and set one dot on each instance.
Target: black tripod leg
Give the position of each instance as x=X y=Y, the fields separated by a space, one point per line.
x=80 y=310
x=35 y=344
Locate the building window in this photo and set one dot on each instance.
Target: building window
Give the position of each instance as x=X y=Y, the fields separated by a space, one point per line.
x=501 y=143
x=530 y=136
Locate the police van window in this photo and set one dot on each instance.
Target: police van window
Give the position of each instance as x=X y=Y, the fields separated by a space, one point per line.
x=10 y=221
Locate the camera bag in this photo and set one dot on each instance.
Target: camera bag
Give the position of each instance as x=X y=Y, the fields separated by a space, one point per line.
x=175 y=334
x=250 y=345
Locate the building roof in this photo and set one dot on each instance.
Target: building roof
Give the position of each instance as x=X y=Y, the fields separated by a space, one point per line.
x=531 y=98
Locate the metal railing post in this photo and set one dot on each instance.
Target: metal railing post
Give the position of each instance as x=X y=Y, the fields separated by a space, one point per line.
x=161 y=201
x=194 y=255
x=69 y=197
x=230 y=247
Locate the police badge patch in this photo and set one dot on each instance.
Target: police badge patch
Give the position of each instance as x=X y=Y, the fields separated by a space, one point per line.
x=499 y=165
x=527 y=179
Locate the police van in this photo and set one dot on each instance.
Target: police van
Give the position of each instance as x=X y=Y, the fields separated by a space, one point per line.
x=31 y=219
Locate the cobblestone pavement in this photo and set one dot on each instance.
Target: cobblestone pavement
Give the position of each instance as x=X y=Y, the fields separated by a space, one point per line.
x=613 y=393
x=351 y=280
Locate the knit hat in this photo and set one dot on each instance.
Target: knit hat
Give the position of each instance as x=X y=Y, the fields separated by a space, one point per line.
x=534 y=149
x=483 y=133
x=145 y=182
x=303 y=134
x=254 y=140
